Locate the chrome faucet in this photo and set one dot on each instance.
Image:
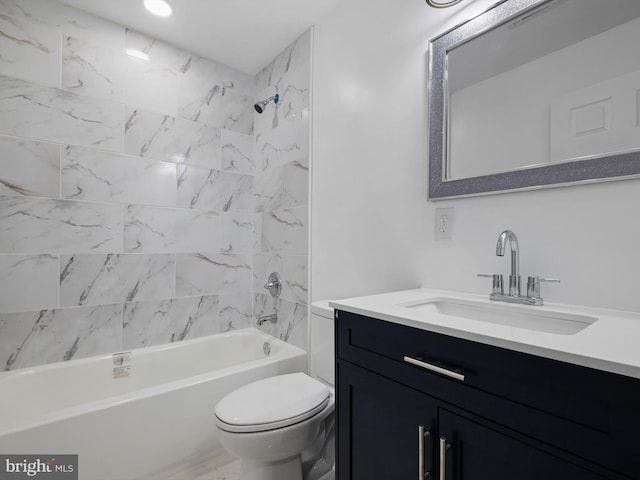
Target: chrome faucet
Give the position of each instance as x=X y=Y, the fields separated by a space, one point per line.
x=514 y=278
x=533 y=283
x=273 y=318
x=274 y=286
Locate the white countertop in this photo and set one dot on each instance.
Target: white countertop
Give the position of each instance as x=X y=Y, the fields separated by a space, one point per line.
x=611 y=344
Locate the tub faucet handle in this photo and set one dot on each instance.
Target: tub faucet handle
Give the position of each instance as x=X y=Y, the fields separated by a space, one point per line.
x=274 y=284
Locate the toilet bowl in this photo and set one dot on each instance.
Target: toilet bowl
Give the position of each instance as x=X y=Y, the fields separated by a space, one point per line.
x=282 y=427
x=279 y=427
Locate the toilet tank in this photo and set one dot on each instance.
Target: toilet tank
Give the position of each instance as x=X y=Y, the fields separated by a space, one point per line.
x=321 y=347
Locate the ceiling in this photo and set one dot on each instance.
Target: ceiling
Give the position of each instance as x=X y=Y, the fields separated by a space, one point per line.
x=243 y=34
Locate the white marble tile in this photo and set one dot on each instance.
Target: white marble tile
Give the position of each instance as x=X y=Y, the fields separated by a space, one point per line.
x=236 y=233
x=200 y=73
x=295 y=279
x=236 y=311
x=268 y=190
x=289 y=74
x=30 y=38
x=159 y=52
x=293 y=64
x=30 y=50
x=35 y=338
x=62 y=18
x=100 y=176
x=93 y=69
x=171 y=81
x=28 y=282
x=286 y=231
x=45 y=113
x=295 y=188
x=172 y=139
x=99 y=71
x=288 y=143
x=237 y=152
x=212 y=273
x=223 y=108
x=257 y=232
x=35 y=225
x=292 y=325
x=214 y=190
x=171 y=320
x=29 y=168
x=205 y=73
x=102 y=279
x=165 y=230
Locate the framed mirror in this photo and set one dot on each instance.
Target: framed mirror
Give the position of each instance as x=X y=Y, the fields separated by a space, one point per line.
x=534 y=94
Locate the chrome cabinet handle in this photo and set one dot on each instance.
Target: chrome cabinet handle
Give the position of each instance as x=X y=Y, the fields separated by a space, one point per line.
x=434 y=368
x=422 y=434
x=443 y=458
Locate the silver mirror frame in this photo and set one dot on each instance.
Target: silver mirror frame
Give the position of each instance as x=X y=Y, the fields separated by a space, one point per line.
x=588 y=170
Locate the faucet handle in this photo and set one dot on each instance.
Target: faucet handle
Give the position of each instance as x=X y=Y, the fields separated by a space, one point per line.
x=533 y=286
x=498 y=282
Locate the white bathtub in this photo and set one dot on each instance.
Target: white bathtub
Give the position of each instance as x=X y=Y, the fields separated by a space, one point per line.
x=127 y=428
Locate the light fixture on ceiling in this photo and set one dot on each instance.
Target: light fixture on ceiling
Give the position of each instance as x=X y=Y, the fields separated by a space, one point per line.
x=160 y=8
x=442 y=3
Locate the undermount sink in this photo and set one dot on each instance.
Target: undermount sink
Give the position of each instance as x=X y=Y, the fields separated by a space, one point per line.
x=528 y=318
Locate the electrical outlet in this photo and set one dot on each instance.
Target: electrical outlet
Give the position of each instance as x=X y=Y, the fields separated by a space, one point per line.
x=444 y=223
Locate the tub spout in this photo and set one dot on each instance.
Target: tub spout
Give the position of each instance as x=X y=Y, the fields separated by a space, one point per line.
x=273 y=318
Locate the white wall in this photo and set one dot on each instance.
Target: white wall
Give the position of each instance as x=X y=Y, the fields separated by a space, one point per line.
x=372 y=229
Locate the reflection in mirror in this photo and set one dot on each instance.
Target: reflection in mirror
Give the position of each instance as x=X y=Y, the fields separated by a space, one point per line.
x=533 y=93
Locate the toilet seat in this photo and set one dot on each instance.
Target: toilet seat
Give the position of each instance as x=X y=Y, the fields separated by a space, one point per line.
x=272 y=403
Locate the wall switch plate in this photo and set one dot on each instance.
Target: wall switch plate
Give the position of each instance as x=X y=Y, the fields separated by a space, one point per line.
x=444 y=223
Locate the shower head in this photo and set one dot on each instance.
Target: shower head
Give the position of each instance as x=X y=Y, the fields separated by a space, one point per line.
x=260 y=106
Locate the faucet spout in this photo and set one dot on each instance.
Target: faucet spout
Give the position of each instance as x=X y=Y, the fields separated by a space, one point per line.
x=508 y=237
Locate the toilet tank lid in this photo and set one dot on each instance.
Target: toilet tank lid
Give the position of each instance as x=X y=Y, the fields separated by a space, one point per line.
x=322 y=308
x=272 y=400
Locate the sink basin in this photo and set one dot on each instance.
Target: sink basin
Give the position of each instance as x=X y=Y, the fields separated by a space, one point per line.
x=525 y=317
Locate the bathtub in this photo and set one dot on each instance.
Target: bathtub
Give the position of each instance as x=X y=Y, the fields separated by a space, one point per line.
x=131 y=415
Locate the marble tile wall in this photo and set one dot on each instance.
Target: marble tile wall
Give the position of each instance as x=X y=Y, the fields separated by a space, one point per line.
x=281 y=191
x=127 y=189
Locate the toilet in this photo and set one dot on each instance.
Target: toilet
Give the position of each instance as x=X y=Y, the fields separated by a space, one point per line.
x=282 y=427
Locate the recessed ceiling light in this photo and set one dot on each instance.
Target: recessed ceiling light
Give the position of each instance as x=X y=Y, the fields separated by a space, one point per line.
x=158 y=7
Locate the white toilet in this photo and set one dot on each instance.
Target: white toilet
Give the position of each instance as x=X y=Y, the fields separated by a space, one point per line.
x=282 y=427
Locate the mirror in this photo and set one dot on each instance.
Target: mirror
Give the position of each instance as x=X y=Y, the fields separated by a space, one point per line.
x=534 y=94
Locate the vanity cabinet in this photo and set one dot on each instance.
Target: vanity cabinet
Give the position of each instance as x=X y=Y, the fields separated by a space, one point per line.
x=482 y=413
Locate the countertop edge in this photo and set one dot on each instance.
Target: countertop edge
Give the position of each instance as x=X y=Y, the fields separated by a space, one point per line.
x=583 y=358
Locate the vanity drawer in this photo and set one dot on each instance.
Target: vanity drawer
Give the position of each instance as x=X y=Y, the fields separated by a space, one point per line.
x=586 y=411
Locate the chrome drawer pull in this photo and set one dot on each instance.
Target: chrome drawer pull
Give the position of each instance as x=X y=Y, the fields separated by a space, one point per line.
x=422 y=434
x=434 y=368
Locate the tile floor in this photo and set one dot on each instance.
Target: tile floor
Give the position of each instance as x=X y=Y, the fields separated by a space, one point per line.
x=218 y=466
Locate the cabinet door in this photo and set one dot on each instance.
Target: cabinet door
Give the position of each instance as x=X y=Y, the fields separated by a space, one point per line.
x=472 y=451
x=379 y=428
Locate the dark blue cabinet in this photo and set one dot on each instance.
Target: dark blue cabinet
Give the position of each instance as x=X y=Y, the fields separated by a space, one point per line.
x=389 y=427
x=514 y=416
